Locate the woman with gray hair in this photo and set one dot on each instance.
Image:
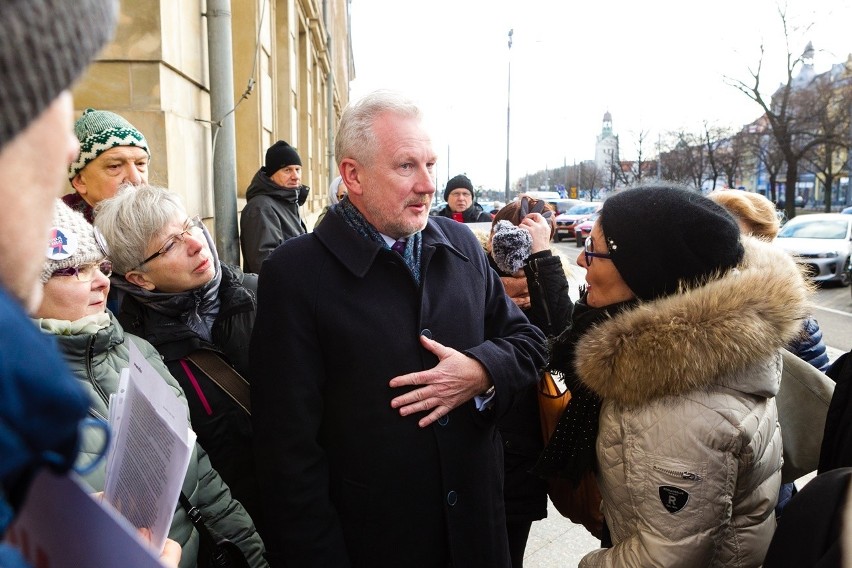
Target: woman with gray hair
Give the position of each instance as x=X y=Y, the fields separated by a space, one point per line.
x=197 y=312
x=96 y=348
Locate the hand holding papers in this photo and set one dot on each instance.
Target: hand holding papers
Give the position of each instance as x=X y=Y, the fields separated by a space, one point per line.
x=151 y=448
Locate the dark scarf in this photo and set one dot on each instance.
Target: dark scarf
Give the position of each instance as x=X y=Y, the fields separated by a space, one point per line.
x=356 y=220
x=571 y=450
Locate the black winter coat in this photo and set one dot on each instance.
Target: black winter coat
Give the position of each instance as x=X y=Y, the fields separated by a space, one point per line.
x=473 y=214
x=270 y=217
x=351 y=482
x=223 y=428
x=550 y=310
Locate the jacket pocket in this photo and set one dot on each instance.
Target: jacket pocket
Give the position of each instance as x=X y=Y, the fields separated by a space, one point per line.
x=674 y=495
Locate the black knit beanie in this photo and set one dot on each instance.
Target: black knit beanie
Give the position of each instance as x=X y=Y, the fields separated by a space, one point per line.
x=460 y=180
x=44 y=47
x=660 y=236
x=280 y=155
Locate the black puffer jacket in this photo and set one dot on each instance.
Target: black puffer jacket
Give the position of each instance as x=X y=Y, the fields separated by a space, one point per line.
x=525 y=494
x=223 y=428
x=270 y=217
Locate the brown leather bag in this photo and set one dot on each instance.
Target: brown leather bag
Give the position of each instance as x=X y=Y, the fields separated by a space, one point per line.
x=581 y=504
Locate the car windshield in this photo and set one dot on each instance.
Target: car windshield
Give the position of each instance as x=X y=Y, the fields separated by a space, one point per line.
x=582 y=209
x=815 y=229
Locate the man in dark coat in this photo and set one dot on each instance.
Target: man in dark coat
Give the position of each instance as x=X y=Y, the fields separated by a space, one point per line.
x=380 y=365
x=461 y=204
x=271 y=215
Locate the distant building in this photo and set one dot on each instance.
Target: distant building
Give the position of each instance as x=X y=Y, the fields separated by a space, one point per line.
x=606 y=147
x=291 y=68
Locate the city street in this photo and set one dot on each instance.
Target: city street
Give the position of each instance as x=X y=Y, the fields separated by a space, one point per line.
x=832 y=306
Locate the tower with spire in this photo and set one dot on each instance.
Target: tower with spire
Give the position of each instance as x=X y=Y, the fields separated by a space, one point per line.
x=606 y=147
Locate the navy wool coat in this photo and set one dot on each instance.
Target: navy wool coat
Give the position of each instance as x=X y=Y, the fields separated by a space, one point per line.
x=346 y=480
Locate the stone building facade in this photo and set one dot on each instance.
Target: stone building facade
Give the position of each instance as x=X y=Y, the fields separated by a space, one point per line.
x=296 y=56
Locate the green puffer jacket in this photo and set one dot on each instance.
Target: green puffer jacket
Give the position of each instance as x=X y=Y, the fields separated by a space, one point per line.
x=96 y=358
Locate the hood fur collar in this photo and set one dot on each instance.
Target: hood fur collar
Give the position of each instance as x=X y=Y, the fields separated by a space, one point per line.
x=700 y=336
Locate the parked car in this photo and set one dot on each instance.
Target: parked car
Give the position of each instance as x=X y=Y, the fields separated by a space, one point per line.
x=584 y=229
x=565 y=223
x=823 y=241
x=563 y=205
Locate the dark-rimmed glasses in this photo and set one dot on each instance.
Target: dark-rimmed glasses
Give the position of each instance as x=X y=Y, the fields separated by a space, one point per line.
x=86 y=272
x=171 y=242
x=589 y=251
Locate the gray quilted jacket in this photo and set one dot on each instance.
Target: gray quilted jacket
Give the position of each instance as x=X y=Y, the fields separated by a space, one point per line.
x=689 y=449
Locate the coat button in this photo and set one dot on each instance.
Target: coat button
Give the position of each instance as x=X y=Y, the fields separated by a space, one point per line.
x=444 y=420
x=427 y=332
x=452 y=498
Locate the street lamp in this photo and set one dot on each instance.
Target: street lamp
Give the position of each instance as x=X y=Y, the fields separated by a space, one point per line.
x=508 y=113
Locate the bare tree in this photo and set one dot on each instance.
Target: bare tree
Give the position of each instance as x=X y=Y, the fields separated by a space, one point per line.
x=716 y=141
x=831 y=97
x=760 y=144
x=790 y=121
x=631 y=172
x=730 y=155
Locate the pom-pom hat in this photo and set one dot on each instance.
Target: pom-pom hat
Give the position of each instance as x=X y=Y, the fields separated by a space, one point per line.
x=72 y=242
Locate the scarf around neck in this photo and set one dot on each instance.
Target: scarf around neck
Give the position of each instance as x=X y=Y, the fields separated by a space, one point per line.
x=571 y=450
x=413 y=245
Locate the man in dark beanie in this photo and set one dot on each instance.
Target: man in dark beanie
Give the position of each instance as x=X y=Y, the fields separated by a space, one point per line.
x=44 y=47
x=461 y=205
x=271 y=215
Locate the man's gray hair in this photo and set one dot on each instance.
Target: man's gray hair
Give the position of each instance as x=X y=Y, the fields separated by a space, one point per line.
x=132 y=218
x=355 y=136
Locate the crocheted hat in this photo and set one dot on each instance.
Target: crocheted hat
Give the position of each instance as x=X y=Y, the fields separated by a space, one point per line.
x=72 y=241
x=44 y=46
x=100 y=130
x=460 y=181
x=280 y=155
x=660 y=237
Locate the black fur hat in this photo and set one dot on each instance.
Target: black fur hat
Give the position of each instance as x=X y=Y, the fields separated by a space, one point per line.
x=510 y=246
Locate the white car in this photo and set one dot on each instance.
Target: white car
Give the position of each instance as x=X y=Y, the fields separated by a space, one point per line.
x=823 y=242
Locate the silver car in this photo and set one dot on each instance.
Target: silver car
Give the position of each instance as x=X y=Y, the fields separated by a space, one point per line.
x=823 y=242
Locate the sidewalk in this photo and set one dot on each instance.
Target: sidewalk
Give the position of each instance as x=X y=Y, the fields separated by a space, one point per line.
x=556 y=542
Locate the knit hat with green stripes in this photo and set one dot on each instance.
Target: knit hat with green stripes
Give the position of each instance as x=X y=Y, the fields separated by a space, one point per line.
x=100 y=130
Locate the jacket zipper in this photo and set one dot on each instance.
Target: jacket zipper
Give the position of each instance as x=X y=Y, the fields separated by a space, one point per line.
x=90 y=372
x=681 y=474
x=542 y=295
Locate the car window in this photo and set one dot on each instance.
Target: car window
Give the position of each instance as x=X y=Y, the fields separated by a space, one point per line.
x=814 y=230
x=582 y=209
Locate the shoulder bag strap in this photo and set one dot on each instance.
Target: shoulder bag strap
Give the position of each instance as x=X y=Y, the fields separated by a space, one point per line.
x=225 y=376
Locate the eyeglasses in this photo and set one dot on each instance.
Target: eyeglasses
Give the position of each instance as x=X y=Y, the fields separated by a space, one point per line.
x=529 y=205
x=86 y=272
x=589 y=251
x=172 y=242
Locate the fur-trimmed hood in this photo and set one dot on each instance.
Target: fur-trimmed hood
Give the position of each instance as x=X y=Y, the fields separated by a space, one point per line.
x=701 y=336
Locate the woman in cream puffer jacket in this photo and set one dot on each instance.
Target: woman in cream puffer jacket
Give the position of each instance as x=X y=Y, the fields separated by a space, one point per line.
x=689 y=448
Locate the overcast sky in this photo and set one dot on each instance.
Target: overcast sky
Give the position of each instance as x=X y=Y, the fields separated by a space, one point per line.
x=657 y=66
